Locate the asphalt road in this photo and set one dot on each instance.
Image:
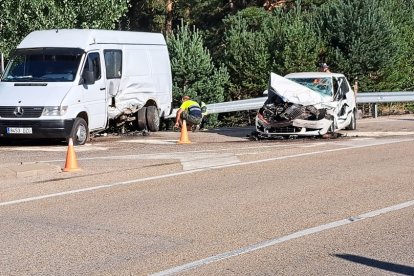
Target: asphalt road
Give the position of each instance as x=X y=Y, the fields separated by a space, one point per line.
x=222 y=205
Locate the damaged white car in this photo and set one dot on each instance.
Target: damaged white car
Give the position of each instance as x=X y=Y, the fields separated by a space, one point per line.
x=306 y=104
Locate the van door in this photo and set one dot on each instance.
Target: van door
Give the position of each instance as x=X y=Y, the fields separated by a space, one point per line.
x=94 y=97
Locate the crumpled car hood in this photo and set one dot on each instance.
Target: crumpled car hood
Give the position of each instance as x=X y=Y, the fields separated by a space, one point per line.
x=295 y=93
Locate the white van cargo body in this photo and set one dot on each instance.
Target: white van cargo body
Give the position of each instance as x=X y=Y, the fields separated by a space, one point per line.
x=70 y=83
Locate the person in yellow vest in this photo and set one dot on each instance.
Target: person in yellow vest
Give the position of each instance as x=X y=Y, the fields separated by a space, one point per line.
x=190 y=111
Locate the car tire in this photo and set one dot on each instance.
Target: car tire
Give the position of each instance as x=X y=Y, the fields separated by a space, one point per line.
x=153 y=118
x=352 y=124
x=80 y=132
x=142 y=119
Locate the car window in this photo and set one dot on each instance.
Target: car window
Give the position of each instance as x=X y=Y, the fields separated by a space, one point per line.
x=320 y=85
x=344 y=85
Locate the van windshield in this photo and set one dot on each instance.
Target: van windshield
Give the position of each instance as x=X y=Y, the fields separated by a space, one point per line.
x=43 y=65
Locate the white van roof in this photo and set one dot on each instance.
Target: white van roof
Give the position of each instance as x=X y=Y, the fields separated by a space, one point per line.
x=82 y=38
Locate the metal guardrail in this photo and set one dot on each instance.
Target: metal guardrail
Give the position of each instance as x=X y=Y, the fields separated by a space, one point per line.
x=385 y=97
x=362 y=98
x=239 y=105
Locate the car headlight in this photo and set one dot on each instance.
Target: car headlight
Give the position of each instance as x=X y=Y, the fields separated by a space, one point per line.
x=54 y=110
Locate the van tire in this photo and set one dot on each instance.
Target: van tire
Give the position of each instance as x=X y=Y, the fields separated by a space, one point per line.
x=142 y=119
x=80 y=132
x=153 y=118
x=352 y=124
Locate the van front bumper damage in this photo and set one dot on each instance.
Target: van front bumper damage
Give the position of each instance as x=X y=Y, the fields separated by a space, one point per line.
x=38 y=129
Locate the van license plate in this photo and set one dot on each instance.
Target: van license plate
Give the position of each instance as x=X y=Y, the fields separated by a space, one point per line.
x=19 y=130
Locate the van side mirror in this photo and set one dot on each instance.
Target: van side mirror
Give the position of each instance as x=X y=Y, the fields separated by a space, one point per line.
x=88 y=77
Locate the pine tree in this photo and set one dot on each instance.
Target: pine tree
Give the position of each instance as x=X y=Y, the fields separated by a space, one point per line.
x=359 y=38
x=399 y=72
x=194 y=73
x=258 y=42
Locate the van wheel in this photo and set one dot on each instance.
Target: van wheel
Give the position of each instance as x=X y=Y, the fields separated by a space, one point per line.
x=141 y=119
x=153 y=118
x=80 y=132
x=352 y=124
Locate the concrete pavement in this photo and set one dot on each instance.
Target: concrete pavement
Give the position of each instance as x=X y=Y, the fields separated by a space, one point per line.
x=21 y=170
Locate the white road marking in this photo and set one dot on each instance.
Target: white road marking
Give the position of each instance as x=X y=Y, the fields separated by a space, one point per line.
x=190 y=160
x=378 y=133
x=150 y=141
x=94 y=188
x=272 y=242
x=382 y=119
x=139 y=180
x=83 y=148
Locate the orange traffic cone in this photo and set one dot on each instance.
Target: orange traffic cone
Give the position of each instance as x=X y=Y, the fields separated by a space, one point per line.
x=184 y=135
x=71 y=162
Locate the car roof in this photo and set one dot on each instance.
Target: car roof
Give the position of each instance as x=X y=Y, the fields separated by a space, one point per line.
x=313 y=75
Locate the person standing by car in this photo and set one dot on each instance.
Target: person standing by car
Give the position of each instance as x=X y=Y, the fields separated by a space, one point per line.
x=190 y=111
x=325 y=68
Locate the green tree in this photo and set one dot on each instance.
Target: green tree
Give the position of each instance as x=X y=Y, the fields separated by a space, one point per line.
x=18 y=18
x=246 y=53
x=258 y=42
x=359 y=39
x=300 y=46
x=399 y=72
x=194 y=73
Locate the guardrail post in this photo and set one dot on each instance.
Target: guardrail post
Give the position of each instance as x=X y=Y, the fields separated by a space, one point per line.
x=374 y=110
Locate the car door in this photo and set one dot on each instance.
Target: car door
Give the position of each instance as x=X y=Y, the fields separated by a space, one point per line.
x=95 y=97
x=343 y=109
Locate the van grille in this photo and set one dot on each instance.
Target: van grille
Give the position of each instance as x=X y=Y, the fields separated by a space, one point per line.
x=20 y=111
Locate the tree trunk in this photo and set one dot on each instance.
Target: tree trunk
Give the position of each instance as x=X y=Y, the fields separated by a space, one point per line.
x=169 y=19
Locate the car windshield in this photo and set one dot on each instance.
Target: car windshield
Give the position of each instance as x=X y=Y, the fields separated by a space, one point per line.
x=43 y=65
x=320 y=85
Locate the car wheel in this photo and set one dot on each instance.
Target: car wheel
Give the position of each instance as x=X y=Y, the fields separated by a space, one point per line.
x=153 y=118
x=142 y=119
x=352 y=124
x=80 y=132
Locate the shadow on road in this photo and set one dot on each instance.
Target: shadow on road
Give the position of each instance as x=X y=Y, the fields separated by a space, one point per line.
x=405 y=119
x=31 y=142
x=241 y=132
x=396 y=268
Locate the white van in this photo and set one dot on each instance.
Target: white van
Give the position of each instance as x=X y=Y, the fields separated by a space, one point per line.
x=70 y=83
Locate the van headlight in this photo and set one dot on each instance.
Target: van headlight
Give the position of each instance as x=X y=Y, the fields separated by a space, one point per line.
x=54 y=110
